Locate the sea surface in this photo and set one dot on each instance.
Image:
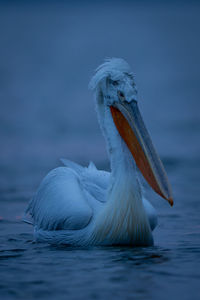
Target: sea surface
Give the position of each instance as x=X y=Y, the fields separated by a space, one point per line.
x=48 y=53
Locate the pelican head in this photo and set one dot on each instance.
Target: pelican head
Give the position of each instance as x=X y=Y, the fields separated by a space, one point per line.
x=115 y=80
x=116 y=92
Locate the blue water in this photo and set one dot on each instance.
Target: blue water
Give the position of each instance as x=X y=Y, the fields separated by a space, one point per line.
x=48 y=53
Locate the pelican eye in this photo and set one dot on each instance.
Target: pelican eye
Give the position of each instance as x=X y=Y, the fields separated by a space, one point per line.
x=113 y=82
x=121 y=95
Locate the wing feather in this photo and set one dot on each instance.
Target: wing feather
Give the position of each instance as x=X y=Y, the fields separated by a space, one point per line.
x=60 y=202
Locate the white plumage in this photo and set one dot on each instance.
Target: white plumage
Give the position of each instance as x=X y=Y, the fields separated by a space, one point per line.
x=78 y=205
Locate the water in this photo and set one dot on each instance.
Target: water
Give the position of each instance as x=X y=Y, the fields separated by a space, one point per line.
x=48 y=53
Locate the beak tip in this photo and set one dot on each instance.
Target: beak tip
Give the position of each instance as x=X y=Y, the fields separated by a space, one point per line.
x=170 y=200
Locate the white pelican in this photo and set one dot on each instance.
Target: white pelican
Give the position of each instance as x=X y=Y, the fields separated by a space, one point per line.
x=77 y=205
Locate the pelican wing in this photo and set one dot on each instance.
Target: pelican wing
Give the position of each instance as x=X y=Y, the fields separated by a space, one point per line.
x=68 y=197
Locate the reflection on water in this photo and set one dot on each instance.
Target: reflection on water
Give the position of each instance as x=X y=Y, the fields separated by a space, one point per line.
x=48 y=53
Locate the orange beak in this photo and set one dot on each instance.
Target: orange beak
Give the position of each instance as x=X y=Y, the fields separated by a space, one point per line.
x=129 y=123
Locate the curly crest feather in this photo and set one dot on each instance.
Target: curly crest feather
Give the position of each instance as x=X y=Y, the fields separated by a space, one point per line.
x=113 y=68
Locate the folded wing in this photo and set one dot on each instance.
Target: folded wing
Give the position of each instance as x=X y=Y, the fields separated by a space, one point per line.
x=68 y=197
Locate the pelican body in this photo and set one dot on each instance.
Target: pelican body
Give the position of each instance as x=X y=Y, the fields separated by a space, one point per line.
x=81 y=206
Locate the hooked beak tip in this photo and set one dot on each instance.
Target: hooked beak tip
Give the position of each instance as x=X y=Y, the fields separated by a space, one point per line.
x=170 y=200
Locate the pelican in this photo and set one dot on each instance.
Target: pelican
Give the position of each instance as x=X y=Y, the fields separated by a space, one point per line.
x=83 y=206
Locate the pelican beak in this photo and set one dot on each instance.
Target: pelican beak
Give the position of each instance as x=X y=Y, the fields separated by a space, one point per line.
x=130 y=125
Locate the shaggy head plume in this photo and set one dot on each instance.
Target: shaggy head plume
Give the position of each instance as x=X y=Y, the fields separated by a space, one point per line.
x=115 y=68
